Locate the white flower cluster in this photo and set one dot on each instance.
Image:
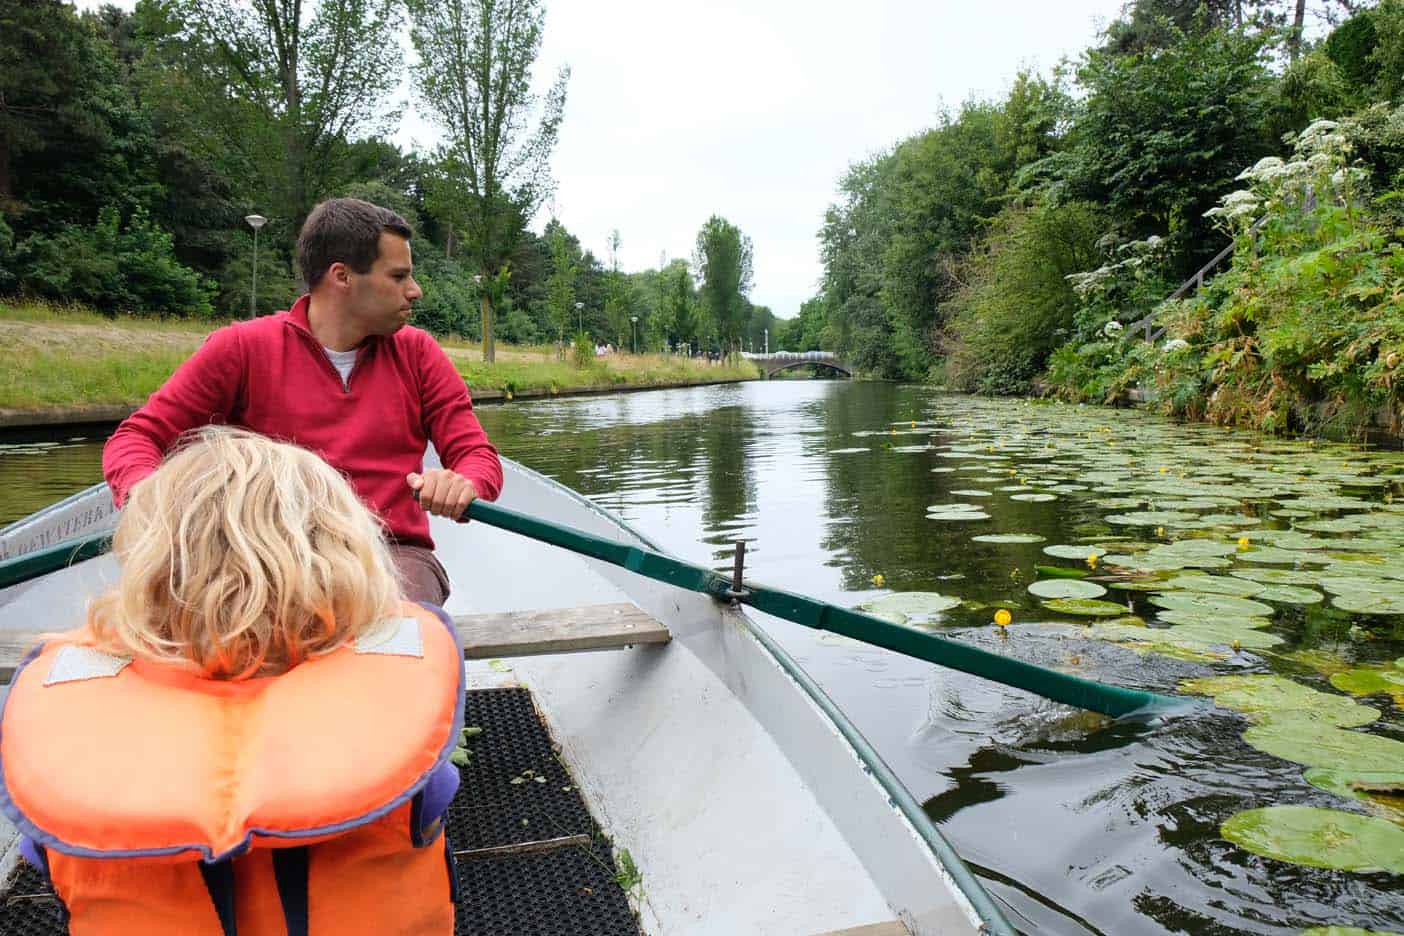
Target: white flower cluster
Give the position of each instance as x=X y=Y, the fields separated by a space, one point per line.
x=1137 y=254
x=1112 y=329
x=1324 y=137
x=1175 y=344
x=1240 y=204
x=1317 y=168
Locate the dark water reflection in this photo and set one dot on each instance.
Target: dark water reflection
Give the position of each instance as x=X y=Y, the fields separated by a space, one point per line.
x=1077 y=825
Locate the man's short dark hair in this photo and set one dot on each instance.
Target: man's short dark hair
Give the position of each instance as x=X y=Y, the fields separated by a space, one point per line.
x=345 y=230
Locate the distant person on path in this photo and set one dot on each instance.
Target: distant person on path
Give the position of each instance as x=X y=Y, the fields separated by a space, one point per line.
x=254 y=732
x=340 y=373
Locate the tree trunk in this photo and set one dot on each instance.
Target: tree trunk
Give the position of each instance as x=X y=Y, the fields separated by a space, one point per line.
x=489 y=348
x=7 y=191
x=1294 y=45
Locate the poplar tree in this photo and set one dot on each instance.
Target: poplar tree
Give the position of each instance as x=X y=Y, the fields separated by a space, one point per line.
x=493 y=170
x=723 y=262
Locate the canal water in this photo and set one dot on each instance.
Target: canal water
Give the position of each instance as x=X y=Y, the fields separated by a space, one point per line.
x=854 y=491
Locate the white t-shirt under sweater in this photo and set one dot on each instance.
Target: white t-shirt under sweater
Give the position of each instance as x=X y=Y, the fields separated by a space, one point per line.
x=343 y=361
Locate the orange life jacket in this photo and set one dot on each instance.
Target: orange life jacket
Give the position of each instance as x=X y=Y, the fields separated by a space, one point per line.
x=167 y=802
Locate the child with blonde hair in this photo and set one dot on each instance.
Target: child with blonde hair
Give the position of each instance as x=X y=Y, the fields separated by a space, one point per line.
x=252 y=732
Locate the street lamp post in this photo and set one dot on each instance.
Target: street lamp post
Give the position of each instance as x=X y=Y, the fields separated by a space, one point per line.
x=580 y=317
x=767 y=341
x=634 y=332
x=255 y=222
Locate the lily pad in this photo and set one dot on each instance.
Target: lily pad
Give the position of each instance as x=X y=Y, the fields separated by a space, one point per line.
x=1215 y=585
x=1261 y=696
x=970 y=492
x=1210 y=617
x=1008 y=538
x=1135 y=584
x=1066 y=588
x=1364 y=603
x=1034 y=498
x=1290 y=594
x=1085 y=607
x=1372 y=680
x=1213 y=604
x=1319 y=838
x=1345 y=931
x=1278 y=576
x=1381 y=793
x=958 y=515
x=1074 y=552
x=1273 y=555
x=1223 y=635
x=1060 y=572
x=1316 y=744
x=910 y=604
x=1152 y=518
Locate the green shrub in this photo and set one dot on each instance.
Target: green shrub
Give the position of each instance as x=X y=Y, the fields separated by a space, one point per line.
x=1305 y=331
x=112 y=268
x=1018 y=304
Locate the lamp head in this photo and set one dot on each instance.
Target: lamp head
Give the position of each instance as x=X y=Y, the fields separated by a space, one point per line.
x=255 y=221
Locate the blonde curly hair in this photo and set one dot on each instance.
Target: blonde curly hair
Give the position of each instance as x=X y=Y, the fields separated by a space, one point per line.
x=243 y=556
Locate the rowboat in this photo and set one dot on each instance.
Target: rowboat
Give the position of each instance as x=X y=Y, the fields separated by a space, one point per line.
x=713 y=787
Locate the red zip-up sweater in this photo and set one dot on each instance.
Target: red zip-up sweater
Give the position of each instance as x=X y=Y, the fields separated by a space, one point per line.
x=271 y=375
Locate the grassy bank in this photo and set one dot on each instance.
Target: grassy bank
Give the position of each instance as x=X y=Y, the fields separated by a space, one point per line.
x=62 y=356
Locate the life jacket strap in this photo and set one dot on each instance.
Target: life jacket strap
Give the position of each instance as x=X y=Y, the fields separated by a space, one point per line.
x=219 y=881
x=290 y=868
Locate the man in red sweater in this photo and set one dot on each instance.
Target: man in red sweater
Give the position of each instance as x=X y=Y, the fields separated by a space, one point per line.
x=343 y=374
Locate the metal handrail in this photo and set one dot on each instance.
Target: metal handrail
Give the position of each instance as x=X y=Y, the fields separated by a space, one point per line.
x=1197 y=281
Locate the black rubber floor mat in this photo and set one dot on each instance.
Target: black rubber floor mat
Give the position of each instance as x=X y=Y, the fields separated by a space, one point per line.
x=567 y=892
x=514 y=790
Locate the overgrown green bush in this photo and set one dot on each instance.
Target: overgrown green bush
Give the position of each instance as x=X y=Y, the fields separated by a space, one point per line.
x=1305 y=331
x=1017 y=305
x=113 y=267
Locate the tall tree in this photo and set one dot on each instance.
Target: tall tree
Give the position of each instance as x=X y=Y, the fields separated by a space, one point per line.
x=560 y=284
x=723 y=261
x=316 y=73
x=474 y=75
x=618 y=307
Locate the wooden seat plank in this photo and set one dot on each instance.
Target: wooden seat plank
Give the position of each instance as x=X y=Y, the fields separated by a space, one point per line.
x=890 y=928
x=485 y=636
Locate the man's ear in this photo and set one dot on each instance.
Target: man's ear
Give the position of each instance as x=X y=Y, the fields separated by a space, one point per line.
x=338 y=276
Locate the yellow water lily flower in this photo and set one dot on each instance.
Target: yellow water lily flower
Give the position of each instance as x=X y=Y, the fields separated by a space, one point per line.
x=878 y=580
x=1164 y=469
x=1243 y=542
x=1160 y=531
x=913 y=423
x=1003 y=617
x=1091 y=560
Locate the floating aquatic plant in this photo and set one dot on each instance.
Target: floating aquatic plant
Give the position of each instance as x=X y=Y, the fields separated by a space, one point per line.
x=1320 y=838
x=1066 y=588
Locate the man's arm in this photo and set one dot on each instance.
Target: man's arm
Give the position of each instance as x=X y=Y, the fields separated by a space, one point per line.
x=203 y=390
x=451 y=425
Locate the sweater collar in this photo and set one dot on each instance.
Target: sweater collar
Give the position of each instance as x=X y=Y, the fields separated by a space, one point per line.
x=297 y=318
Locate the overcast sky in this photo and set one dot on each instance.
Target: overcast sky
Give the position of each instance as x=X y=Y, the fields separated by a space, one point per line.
x=752 y=109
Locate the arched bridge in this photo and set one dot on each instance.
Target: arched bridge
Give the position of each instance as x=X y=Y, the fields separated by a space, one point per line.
x=772 y=364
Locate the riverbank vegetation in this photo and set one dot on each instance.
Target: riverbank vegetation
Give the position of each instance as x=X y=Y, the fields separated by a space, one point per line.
x=1006 y=249
x=134 y=144
x=59 y=356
